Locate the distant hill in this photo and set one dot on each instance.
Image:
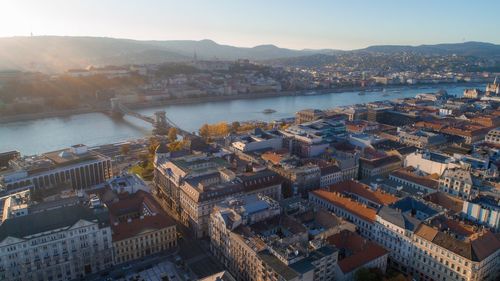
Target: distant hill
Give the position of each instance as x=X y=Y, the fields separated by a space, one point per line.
x=478 y=49
x=59 y=53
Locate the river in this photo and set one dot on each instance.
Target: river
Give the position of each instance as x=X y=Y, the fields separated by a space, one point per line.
x=42 y=135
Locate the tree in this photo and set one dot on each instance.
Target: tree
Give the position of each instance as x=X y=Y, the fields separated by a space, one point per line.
x=125 y=149
x=205 y=131
x=175 y=146
x=220 y=129
x=172 y=134
x=153 y=144
x=235 y=126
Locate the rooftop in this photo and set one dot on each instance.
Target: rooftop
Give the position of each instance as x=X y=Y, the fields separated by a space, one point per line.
x=50 y=220
x=354 y=250
x=362 y=190
x=408 y=213
x=348 y=204
x=476 y=248
x=279 y=267
x=410 y=174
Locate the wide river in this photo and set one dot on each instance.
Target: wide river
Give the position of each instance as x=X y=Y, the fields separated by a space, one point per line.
x=42 y=135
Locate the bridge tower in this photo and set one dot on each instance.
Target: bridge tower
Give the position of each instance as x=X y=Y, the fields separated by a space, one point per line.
x=160 y=125
x=115 y=108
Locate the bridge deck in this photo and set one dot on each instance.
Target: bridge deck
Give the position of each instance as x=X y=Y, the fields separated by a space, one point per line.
x=169 y=123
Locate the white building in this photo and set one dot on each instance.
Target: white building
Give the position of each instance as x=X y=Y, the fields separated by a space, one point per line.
x=457 y=182
x=483 y=210
x=395 y=226
x=258 y=141
x=77 y=167
x=429 y=162
x=60 y=244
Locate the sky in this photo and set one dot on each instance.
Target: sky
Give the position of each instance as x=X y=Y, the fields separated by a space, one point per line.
x=306 y=24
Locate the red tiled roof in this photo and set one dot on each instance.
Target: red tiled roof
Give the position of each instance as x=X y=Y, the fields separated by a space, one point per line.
x=451 y=203
x=361 y=250
x=133 y=204
x=363 y=190
x=347 y=204
x=130 y=229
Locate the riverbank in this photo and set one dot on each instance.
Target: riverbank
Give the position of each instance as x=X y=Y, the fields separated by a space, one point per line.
x=195 y=100
x=49 y=134
x=40 y=115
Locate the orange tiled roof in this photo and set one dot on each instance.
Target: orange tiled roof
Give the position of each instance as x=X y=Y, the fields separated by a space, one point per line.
x=406 y=174
x=361 y=250
x=466 y=130
x=347 y=204
x=274 y=156
x=363 y=190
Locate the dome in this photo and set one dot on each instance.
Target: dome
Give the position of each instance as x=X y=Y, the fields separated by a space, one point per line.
x=162 y=148
x=65 y=154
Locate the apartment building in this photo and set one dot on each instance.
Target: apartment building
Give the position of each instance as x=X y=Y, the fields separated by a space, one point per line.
x=457 y=182
x=453 y=251
x=189 y=187
x=430 y=162
x=379 y=166
x=421 y=139
x=395 y=226
x=359 y=214
x=140 y=228
x=364 y=194
x=65 y=243
x=355 y=253
x=171 y=173
x=410 y=177
x=255 y=242
x=484 y=210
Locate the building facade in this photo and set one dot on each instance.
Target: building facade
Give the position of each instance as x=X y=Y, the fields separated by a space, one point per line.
x=140 y=228
x=66 y=243
x=77 y=167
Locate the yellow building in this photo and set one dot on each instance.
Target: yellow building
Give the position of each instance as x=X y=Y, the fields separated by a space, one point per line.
x=140 y=228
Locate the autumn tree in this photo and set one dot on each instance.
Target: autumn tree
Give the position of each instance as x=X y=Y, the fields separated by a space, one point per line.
x=125 y=149
x=176 y=145
x=205 y=131
x=220 y=129
x=153 y=144
x=172 y=134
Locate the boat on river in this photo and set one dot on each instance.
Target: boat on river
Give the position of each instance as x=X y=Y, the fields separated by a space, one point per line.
x=268 y=111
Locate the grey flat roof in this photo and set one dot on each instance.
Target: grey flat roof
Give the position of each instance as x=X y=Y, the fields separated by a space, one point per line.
x=21 y=227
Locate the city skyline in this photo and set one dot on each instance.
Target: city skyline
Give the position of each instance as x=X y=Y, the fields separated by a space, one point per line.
x=294 y=25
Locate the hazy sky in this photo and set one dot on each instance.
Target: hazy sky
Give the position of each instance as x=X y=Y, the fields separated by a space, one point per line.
x=345 y=24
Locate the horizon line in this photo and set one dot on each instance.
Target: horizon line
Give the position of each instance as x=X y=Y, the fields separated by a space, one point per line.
x=239 y=46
